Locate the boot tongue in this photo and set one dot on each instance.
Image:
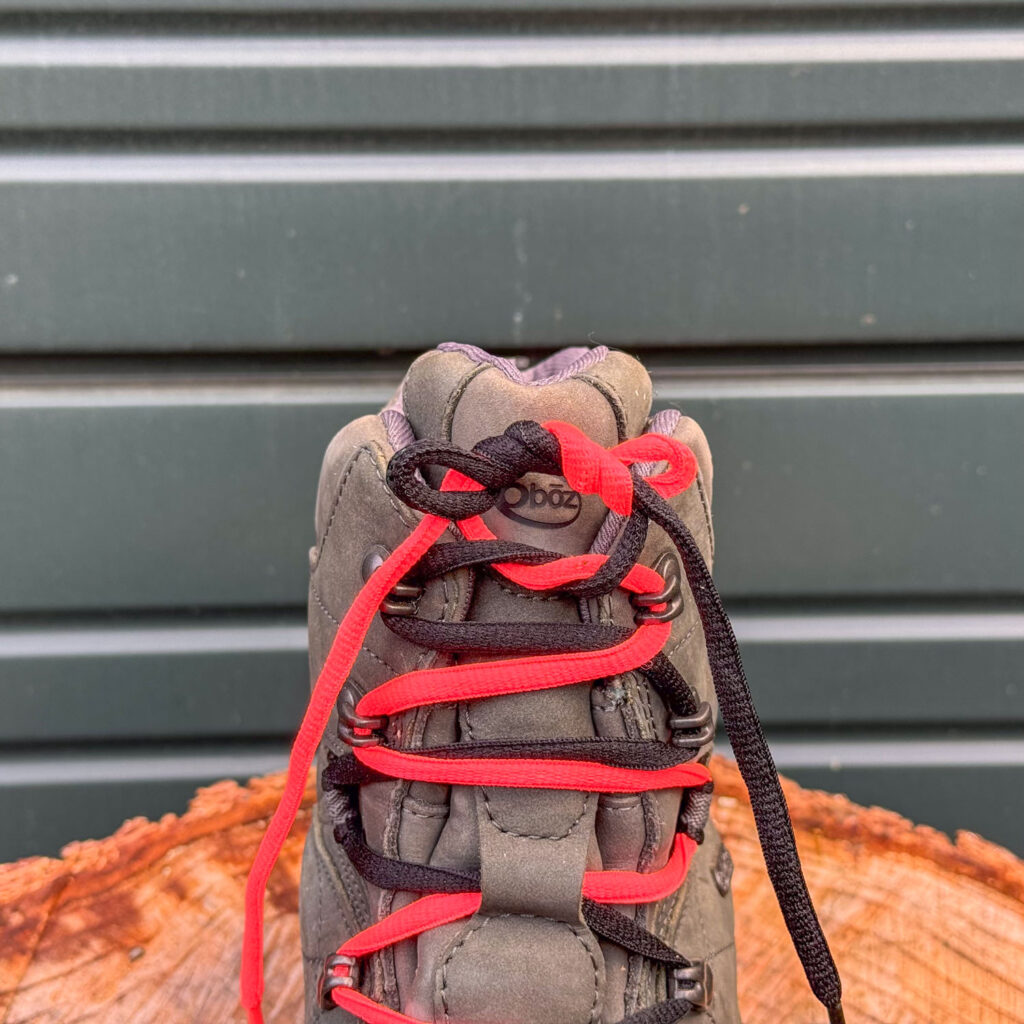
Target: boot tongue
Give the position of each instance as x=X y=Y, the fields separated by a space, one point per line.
x=462 y=394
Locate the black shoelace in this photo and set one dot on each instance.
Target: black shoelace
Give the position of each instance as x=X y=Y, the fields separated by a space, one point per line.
x=496 y=463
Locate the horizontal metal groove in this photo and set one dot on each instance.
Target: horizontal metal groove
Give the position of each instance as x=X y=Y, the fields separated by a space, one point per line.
x=195 y=394
x=485 y=16
x=230 y=170
x=109 y=765
x=140 y=766
x=567 y=142
x=376 y=371
x=896 y=627
x=974 y=750
x=171 y=640
x=50 y=104
x=348 y=389
x=496 y=53
x=129 y=635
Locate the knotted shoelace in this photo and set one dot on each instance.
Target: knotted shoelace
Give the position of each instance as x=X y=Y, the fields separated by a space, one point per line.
x=555 y=655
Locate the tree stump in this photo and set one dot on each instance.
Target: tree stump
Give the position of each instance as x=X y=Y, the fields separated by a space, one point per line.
x=146 y=925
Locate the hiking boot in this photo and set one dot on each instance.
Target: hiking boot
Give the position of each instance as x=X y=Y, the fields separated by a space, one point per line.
x=519 y=658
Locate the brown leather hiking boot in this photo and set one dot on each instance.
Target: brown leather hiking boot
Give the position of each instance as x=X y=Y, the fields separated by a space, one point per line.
x=519 y=658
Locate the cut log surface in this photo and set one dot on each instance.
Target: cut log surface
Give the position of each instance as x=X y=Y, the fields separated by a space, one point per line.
x=145 y=926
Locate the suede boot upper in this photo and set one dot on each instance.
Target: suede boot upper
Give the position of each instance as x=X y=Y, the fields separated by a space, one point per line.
x=527 y=957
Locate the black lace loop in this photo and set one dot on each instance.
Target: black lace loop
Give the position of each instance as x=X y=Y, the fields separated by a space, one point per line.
x=494 y=463
x=406 y=479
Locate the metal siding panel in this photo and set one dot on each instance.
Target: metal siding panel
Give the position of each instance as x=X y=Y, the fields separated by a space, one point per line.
x=46 y=802
x=176 y=252
x=39 y=821
x=883 y=668
x=473 y=81
x=959 y=780
x=867 y=524
x=154 y=680
x=159 y=498
x=174 y=500
x=950 y=797
x=248 y=678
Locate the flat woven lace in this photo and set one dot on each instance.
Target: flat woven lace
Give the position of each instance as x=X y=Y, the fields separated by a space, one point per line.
x=551 y=657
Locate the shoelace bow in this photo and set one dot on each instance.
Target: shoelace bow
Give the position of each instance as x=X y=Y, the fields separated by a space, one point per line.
x=568 y=655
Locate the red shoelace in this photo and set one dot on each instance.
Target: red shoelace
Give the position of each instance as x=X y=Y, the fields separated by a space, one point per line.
x=589 y=469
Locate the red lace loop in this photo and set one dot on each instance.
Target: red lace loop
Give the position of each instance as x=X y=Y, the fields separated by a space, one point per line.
x=528 y=773
x=642 y=887
x=589 y=469
x=344 y=649
x=682 y=463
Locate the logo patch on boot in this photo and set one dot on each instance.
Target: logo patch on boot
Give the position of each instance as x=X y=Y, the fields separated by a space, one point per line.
x=545 y=502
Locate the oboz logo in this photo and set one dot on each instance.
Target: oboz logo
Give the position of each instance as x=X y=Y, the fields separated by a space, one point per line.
x=548 y=506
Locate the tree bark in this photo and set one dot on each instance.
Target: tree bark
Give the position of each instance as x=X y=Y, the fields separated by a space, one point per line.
x=145 y=926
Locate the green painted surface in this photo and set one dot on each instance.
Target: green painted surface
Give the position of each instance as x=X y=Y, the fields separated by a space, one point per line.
x=143 y=498
x=329 y=81
x=950 y=797
x=126 y=681
x=245 y=678
x=55 y=796
x=328 y=251
x=184 y=178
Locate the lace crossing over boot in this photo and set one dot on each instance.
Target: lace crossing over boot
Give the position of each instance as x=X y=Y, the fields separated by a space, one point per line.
x=519 y=657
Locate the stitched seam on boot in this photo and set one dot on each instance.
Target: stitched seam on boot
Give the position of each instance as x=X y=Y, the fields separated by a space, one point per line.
x=608 y=392
x=703 y=945
x=363 y=648
x=448 y=416
x=707 y=515
x=525 y=595
x=467 y=717
x=391 y=837
x=684 y=639
x=399 y=797
x=336 y=869
x=721 y=950
x=525 y=835
x=653 y=825
x=595 y=1009
x=376 y=454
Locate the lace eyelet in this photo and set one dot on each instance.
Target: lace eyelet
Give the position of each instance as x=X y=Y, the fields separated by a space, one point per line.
x=404 y=595
x=329 y=981
x=702 y=723
x=369 y=728
x=695 y=983
x=671 y=596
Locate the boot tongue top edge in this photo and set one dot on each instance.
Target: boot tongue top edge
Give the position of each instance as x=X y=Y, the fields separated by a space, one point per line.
x=464 y=394
x=563 y=364
x=456 y=380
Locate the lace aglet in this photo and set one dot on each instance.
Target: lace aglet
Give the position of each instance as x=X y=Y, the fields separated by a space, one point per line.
x=836 y=1015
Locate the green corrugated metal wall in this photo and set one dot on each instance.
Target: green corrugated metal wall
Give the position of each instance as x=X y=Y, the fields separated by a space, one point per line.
x=225 y=225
